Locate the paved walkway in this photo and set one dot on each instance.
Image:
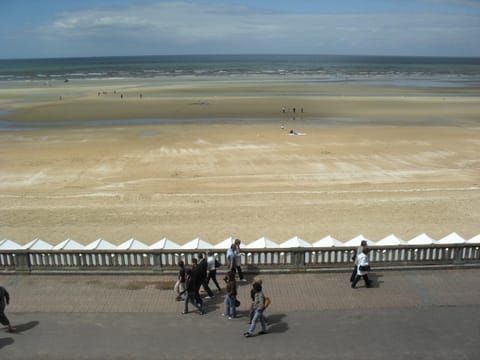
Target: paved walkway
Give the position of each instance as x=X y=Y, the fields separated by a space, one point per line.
x=431 y=314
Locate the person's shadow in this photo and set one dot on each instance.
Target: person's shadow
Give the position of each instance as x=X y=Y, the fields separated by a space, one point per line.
x=375 y=279
x=20 y=328
x=276 y=324
x=6 y=341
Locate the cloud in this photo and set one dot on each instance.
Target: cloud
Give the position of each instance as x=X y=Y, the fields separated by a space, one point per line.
x=187 y=27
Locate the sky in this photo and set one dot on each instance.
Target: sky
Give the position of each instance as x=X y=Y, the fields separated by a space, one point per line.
x=79 y=28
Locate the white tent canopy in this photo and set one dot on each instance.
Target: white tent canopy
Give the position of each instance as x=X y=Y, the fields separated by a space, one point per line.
x=327 y=241
x=69 y=244
x=225 y=244
x=197 y=243
x=422 y=239
x=132 y=244
x=295 y=242
x=165 y=244
x=452 y=238
x=100 y=244
x=391 y=240
x=37 y=244
x=474 y=240
x=7 y=244
x=262 y=243
x=357 y=240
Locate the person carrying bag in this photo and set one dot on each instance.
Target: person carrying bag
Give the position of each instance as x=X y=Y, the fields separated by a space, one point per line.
x=362 y=269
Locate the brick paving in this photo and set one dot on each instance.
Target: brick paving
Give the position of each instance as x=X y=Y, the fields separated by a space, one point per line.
x=289 y=292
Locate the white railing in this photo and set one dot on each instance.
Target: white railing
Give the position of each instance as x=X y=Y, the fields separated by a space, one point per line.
x=297 y=259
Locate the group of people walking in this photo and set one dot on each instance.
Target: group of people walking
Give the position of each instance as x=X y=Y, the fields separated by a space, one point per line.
x=191 y=279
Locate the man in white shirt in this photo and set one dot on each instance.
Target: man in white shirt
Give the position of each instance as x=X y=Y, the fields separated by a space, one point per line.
x=231 y=258
x=363 y=245
x=362 y=269
x=212 y=270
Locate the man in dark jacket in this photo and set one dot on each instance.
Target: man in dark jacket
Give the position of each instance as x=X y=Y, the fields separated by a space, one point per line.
x=4 y=301
x=191 y=293
x=200 y=275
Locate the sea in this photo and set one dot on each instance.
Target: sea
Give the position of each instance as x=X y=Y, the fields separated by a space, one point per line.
x=382 y=70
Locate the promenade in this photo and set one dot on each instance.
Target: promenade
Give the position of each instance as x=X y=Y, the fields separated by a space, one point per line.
x=408 y=314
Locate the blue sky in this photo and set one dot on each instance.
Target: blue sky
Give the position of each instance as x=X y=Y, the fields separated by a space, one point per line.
x=69 y=28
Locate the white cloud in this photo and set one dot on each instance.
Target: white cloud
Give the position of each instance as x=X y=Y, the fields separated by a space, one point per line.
x=184 y=27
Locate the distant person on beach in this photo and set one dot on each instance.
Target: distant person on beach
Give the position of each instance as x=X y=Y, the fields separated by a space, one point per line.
x=212 y=270
x=4 y=301
x=179 y=287
x=362 y=269
x=362 y=246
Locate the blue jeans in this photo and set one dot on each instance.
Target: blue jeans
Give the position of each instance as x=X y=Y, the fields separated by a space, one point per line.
x=230 y=309
x=258 y=316
x=191 y=298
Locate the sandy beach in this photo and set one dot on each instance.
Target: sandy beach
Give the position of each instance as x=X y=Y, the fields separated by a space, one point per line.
x=369 y=160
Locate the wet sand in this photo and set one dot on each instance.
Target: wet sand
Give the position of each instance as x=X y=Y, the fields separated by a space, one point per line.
x=373 y=161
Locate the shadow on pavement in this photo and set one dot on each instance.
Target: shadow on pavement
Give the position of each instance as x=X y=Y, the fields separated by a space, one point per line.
x=276 y=323
x=375 y=278
x=6 y=341
x=27 y=326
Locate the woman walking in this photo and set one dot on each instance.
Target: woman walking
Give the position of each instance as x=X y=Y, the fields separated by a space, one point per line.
x=231 y=298
x=258 y=307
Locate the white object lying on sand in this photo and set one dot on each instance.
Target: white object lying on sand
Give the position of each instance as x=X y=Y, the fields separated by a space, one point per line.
x=294 y=133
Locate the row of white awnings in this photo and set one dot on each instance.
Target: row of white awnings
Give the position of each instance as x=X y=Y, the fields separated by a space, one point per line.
x=261 y=243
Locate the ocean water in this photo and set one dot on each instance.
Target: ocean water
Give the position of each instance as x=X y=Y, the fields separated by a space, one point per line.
x=382 y=70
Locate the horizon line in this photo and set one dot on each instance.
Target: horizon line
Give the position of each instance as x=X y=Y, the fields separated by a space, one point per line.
x=241 y=54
